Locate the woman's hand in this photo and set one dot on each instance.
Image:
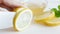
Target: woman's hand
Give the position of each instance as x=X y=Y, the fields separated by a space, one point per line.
x=11 y=4
x=14 y=3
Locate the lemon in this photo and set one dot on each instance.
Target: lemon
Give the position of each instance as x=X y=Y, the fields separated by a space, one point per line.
x=22 y=19
x=44 y=16
x=53 y=22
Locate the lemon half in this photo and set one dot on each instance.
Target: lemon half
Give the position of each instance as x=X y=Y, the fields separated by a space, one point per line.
x=22 y=19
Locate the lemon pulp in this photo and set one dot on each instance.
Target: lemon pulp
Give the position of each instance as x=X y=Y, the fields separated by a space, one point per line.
x=22 y=19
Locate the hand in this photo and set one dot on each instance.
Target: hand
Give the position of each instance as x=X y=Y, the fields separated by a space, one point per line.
x=14 y=3
x=11 y=4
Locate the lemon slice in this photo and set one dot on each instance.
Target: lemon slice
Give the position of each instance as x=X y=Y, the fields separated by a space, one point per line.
x=44 y=16
x=22 y=19
x=53 y=22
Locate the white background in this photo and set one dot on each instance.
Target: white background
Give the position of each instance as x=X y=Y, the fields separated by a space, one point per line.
x=38 y=29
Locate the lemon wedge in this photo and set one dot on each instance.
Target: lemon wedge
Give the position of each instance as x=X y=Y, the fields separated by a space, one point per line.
x=22 y=19
x=53 y=22
x=44 y=16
